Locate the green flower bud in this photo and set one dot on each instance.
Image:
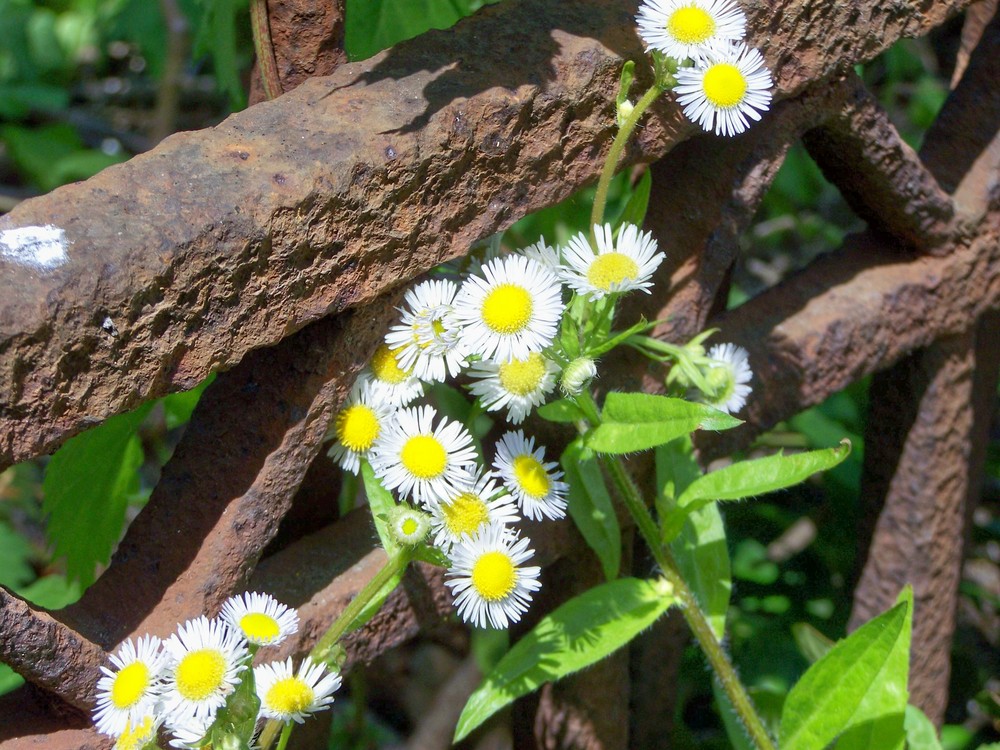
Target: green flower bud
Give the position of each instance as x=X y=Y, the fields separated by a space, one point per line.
x=578 y=375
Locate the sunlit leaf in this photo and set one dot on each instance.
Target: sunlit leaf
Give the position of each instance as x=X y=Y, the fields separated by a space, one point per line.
x=87 y=485
x=580 y=632
x=820 y=705
x=382 y=503
x=562 y=410
x=920 y=731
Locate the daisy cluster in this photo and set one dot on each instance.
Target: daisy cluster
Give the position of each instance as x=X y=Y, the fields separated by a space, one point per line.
x=503 y=329
x=180 y=685
x=725 y=83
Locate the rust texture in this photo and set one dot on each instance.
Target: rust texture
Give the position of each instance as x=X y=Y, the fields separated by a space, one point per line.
x=228 y=239
x=307 y=40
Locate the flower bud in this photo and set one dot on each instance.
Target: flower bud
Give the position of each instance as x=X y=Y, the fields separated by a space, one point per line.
x=408 y=526
x=578 y=375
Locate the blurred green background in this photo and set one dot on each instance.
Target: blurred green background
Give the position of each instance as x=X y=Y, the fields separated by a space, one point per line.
x=80 y=86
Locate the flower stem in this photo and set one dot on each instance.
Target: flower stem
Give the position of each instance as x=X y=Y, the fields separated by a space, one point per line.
x=323 y=649
x=614 y=155
x=690 y=608
x=286 y=732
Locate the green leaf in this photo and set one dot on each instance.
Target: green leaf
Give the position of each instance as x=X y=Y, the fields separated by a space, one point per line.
x=9 y=679
x=625 y=82
x=591 y=508
x=178 y=407
x=748 y=478
x=619 y=338
x=51 y=592
x=382 y=503
x=374 y=26
x=87 y=485
x=15 y=558
x=563 y=410
x=920 y=731
x=638 y=202
x=582 y=631
x=676 y=469
x=821 y=704
x=812 y=643
x=703 y=558
x=878 y=721
x=639 y=421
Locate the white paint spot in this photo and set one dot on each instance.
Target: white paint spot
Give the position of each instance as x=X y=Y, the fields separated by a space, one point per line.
x=43 y=248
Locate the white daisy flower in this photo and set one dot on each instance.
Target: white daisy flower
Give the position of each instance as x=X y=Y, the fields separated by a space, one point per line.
x=357 y=426
x=286 y=695
x=130 y=692
x=426 y=338
x=612 y=268
x=491 y=586
x=408 y=525
x=545 y=254
x=724 y=88
x=512 y=310
x=205 y=661
x=465 y=513
x=388 y=381
x=260 y=618
x=687 y=28
x=518 y=385
x=535 y=484
x=729 y=374
x=190 y=733
x=139 y=733
x=419 y=460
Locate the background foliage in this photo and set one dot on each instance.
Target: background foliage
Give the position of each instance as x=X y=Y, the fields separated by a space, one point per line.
x=79 y=84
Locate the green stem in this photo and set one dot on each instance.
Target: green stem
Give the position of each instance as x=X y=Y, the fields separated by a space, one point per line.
x=690 y=608
x=260 y=26
x=286 y=732
x=611 y=163
x=324 y=646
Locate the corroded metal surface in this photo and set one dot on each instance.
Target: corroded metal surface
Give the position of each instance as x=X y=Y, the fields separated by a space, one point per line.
x=228 y=239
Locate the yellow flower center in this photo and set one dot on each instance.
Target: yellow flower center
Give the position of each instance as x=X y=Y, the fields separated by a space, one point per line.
x=494 y=576
x=357 y=427
x=691 y=25
x=507 y=309
x=136 y=737
x=424 y=456
x=438 y=327
x=611 y=268
x=259 y=628
x=464 y=514
x=522 y=377
x=724 y=85
x=130 y=685
x=410 y=526
x=386 y=368
x=289 y=696
x=531 y=476
x=200 y=673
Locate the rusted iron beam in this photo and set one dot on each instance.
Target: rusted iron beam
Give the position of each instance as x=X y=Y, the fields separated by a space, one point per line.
x=880 y=175
x=225 y=240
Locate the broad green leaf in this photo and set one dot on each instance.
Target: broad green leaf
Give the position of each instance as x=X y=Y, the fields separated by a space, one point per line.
x=920 y=731
x=582 y=631
x=374 y=25
x=878 y=721
x=87 y=485
x=821 y=704
x=676 y=468
x=178 y=407
x=748 y=478
x=591 y=508
x=703 y=559
x=382 y=503
x=9 y=679
x=639 y=421
x=812 y=643
x=563 y=410
x=638 y=202
x=991 y=746
x=51 y=592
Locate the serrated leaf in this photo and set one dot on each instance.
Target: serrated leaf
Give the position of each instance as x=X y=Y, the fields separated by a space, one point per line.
x=920 y=731
x=563 y=411
x=749 y=478
x=382 y=503
x=582 y=631
x=87 y=484
x=639 y=421
x=822 y=702
x=591 y=508
x=878 y=721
